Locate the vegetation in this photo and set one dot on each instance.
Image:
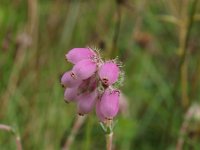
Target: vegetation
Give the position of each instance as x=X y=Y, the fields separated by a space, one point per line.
x=158 y=42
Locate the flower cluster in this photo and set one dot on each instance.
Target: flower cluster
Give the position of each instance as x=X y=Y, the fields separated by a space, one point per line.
x=90 y=83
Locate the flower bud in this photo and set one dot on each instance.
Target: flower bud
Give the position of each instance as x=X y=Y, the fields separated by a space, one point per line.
x=77 y=54
x=109 y=104
x=86 y=102
x=70 y=94
x=84 y=69
x=70 y=80
x=98 y=111
x=109 y=73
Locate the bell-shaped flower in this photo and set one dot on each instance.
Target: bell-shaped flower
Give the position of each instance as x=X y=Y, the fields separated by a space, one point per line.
x=69 y=79
x=84 y=69
x=98 y=111
x=109 y=73
x=86 y=102
x=109 y=104
x=71 y=94
x=77 y=54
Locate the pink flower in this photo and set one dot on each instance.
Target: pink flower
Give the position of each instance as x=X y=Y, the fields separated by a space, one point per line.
x=89 y=83
x=109 y=73
x=109 y=104
x=69 y=79
x=98 y=112
x=70 y=94
x=86 y=102
x=84 y=69
x=77 y=54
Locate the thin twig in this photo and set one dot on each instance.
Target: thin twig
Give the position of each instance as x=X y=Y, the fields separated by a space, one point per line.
x=5 y=127
x=77 y=125
x=184 y=38
x=184 y=128
x=17 y=137
x=18 y=143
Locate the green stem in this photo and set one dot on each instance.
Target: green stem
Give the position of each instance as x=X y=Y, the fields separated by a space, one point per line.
x=109 y=134
x=109 y=138
x=185 y=29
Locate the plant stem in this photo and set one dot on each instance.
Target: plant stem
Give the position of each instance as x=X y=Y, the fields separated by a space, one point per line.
x=183 y=68
x=18 y=143
x=184 y=127
x=17 y=137
x=109 y=134
x=77 y=125
x=109 y=138
x=185 y=25
x=185 y=29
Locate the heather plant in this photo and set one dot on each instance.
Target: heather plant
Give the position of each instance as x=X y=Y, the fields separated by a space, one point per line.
x=92 y=83
x=159 y=105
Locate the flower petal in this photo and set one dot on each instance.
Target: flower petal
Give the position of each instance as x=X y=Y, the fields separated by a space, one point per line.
x=109 y=104
x=109 y=73
x=71 y=94
x=84 y=69
x=70 y=80
x=98 y=112
x=86 y=102
x=77 y=54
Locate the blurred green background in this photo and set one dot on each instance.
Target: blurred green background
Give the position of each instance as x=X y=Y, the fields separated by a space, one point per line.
x=158 y=42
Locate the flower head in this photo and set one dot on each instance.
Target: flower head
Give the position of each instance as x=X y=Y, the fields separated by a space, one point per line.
x=90 y=83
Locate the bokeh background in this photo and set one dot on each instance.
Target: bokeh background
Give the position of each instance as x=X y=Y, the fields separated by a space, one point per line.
x=158 y=42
